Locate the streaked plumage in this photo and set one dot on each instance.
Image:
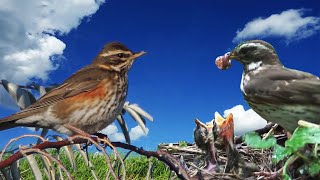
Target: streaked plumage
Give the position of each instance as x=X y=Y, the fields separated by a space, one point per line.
x=276 y=93
x=89 y=100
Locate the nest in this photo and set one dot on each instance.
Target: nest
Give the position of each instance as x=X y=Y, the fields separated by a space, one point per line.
x=256 y=161
x=246 y=162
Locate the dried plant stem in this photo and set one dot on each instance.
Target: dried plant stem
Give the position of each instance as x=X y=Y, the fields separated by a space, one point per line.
x=270 y=131
x=91 y=140
x=107 y=142
x=25 y=152
x=161 y=155
x=269 y=175
x=17 y=138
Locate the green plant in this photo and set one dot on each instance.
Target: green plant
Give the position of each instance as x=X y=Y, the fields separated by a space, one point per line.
x=302 y=145
x=136 y=167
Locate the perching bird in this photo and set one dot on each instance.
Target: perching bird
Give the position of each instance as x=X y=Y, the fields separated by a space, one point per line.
x=89 y=100
x=276 y=93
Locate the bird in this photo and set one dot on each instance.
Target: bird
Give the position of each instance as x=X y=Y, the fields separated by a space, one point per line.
x=217 y=135
x=223 y=132
x=278 y=94
x=87 y=101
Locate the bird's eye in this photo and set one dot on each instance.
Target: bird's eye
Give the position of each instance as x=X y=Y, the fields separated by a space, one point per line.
x=120 y=55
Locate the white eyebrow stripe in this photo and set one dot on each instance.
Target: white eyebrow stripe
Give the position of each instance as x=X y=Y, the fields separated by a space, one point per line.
x=254 y=45
x=114 y=52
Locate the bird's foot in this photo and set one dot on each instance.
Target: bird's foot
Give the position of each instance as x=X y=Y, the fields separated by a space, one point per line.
x=100 y=135
x=77 y=130
x=106 y=141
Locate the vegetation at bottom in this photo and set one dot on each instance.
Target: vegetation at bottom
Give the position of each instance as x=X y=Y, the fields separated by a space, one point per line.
x=136 y=167
x=300 y=153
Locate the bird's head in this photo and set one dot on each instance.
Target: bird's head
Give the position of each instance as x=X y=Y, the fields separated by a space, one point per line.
x=116 y=56
x=223 y=129
x=251 y=54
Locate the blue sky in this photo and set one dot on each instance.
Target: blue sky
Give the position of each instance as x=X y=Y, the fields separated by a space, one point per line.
x=177 y=80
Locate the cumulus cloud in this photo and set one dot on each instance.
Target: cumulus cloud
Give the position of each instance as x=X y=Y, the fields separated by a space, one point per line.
x=28 y=46
x=113 y=133
x=136 y=133
x=290 y=24
x=245 y=120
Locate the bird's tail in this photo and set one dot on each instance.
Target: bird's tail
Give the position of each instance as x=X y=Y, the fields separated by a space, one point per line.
x=7 y=125
x=15 y=121
x=11 y=122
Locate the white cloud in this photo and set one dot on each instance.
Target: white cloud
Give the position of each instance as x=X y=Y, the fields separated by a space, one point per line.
x=245 y=120
x=28 y=46
x=136 y=133
x=113 y=133
x=22 y=65
x=289 y=24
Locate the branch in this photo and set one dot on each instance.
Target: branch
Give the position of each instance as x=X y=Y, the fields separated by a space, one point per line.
x=161 y=155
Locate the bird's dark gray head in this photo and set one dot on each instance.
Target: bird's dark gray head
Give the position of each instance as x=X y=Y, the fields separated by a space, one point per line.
x=254 y=52
x=116 y=56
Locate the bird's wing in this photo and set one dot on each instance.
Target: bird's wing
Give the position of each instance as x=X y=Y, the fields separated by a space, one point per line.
x=282 y=85
x=84 y=80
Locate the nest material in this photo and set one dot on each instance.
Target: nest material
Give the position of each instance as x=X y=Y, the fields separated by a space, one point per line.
x=252 y=163
x=195 y=160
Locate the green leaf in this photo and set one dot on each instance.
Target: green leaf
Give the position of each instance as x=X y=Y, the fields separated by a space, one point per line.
x=279 y=153
x=302 y=136
x=286 y=177
x=183 y=144
x=313 y=168
x=253 y=140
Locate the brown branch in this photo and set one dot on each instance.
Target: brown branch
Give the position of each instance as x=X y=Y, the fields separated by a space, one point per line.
x=269 y=175
x=17 y=138
x=161 y=155
x=18 y=155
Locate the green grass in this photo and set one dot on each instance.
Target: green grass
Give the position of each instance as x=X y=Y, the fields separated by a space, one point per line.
x=136 y=167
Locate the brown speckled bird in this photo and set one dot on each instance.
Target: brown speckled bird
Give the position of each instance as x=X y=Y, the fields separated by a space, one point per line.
x=276 y=93
x=89 y=100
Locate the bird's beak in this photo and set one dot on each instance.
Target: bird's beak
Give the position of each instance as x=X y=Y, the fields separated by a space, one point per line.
x=232 y=55
x=138 y=54
x=226 y=127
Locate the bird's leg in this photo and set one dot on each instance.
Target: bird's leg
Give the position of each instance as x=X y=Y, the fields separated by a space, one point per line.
x=77 y=130
x=104 y=139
